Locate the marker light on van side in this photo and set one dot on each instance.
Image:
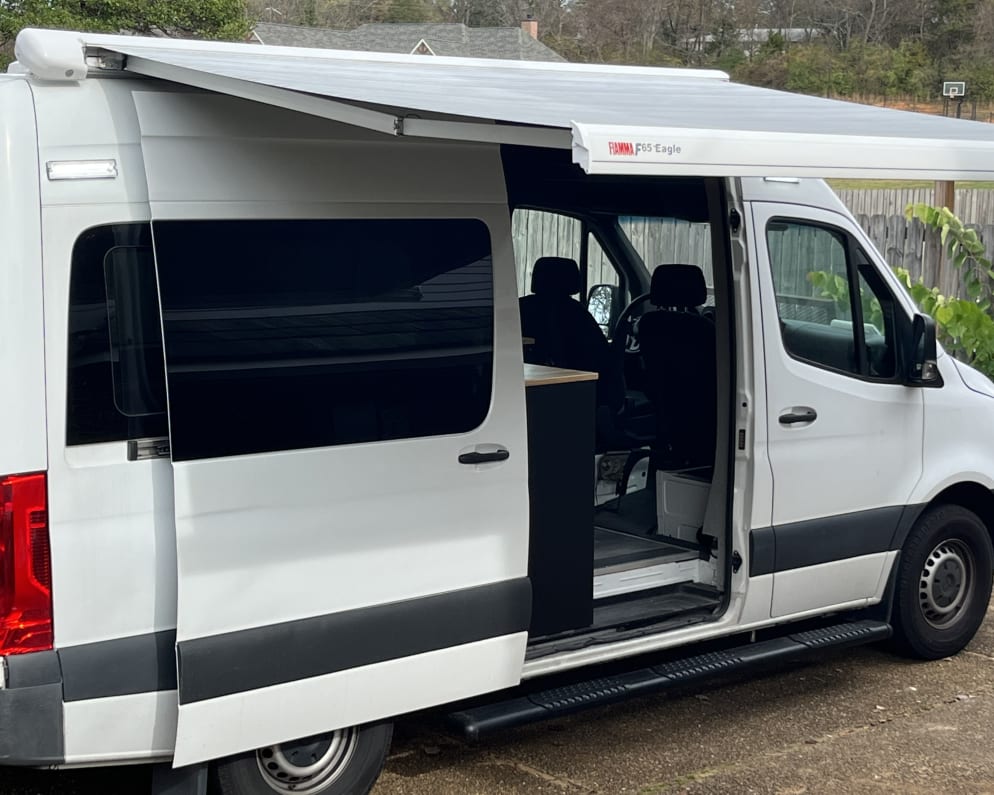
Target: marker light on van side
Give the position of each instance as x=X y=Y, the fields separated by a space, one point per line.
x=81 y=169
x=25 y=565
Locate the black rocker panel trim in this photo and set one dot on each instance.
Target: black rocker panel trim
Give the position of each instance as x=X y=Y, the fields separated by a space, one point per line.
x=762 y=551
x=237 y=662
x=829 y=538
x=33 y=669
x=120 y=667
x=832 y=538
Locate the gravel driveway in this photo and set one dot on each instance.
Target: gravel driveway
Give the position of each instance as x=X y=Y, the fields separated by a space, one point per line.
x=854 y=722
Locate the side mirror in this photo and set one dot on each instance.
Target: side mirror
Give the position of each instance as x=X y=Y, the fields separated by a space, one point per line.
x=924 y=370
x=604 y=303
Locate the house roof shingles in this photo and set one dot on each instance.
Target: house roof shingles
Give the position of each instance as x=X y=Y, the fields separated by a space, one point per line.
x=453 y=39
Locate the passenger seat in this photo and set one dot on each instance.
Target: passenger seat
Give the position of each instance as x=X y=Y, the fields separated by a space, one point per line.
x=677 y=344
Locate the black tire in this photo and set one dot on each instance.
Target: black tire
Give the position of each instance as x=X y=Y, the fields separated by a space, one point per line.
x=943 y=583
x=355 y=762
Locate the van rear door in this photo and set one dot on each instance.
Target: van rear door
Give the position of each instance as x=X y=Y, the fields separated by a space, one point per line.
x=347 y=423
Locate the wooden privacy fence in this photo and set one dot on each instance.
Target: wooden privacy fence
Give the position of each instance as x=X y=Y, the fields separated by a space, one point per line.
x=880 y=213
x=904 y=244
x=657 y=240
x=973 y=206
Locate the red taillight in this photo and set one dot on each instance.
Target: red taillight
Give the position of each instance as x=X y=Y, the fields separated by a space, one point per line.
x=25 y=565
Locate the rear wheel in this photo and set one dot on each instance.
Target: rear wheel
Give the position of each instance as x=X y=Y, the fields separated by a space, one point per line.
x=343 y=762
x=944 y=582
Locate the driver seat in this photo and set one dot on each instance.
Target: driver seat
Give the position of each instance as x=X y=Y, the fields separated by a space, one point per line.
x=565 y=333
x=677 y=345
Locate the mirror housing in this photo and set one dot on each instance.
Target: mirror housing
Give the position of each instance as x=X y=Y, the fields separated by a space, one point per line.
x=924 y=369
x=604 y=304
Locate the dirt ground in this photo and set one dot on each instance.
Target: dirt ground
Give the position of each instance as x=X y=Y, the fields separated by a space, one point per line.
x=862 y=721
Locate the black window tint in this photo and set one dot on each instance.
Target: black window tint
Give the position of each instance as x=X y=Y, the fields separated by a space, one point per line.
x=815 y=269
x=293 y=334
x=135 y=331
x=880 y=319
x=114 y=393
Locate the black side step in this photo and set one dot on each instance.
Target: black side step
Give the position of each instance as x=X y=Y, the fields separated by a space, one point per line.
x=477 y=721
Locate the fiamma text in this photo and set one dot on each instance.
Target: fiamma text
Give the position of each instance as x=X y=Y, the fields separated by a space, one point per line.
x=632 y=149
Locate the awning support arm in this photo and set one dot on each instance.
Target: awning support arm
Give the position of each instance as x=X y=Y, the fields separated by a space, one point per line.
x=270 y=95
x=545 y=137
x=334 y=110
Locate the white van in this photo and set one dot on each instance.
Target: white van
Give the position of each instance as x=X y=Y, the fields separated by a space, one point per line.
x=292 y=444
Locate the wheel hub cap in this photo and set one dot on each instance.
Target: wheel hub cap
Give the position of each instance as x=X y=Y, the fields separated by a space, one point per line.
x=946 y=582
x=307 y=766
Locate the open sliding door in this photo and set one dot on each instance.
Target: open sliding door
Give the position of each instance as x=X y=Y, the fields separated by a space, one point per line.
x=351 y=534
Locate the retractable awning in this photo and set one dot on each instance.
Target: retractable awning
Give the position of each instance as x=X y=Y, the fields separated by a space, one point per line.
x=622 y=120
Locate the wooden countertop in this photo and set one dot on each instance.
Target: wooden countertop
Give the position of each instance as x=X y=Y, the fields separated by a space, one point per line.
x=540 y=375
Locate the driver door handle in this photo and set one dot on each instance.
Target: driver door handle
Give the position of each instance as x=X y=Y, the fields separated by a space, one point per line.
x=797 y=415
x=477 y=457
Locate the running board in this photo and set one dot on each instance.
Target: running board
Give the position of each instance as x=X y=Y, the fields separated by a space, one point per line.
x=478 y=721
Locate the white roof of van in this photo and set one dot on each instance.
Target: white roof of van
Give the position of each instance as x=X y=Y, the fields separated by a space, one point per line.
x=635 y=120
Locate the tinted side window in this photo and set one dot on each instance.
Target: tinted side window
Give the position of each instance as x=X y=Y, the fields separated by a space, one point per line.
x=293 y=334
x=135 y=331
x=817 y=271
x=880 y=318
x=116 y=386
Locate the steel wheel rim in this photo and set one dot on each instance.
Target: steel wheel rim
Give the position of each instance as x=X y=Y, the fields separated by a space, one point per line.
x=307 y=766
x=947 y=582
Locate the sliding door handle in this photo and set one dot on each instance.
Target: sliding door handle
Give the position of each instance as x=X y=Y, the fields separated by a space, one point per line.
x=484 y=456
x=797 y=415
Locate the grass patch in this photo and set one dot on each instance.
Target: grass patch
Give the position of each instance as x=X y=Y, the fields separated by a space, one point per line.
x=891 y=184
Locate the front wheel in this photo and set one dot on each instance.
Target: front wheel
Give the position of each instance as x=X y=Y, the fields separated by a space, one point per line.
x=944 y=582
x=343 y=762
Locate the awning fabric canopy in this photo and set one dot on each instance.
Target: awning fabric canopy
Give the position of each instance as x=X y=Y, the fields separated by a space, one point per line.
x=628 y=120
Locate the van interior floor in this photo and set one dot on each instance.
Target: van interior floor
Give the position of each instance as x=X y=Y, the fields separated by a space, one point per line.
x=656 y=605
x=625 y=563
x=629 y=556
x=678 y=605
x=617 y=551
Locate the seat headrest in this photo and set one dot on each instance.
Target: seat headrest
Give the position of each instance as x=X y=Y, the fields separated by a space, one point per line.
x=678 y=286
x=556 y=276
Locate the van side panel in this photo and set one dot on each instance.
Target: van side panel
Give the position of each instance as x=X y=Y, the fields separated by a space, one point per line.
x=22 y=333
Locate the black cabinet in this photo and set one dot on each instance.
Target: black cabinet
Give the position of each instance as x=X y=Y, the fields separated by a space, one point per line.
x=561 y=409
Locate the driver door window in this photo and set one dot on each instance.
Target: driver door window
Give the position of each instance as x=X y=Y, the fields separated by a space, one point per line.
x=834 y=309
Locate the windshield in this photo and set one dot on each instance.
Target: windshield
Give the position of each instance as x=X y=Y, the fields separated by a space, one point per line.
x=669 y=241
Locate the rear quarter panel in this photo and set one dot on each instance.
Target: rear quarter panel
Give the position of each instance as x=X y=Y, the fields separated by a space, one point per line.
x=22 y=338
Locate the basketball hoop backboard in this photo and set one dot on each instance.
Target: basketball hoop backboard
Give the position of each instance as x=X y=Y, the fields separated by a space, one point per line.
x=954 y=89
